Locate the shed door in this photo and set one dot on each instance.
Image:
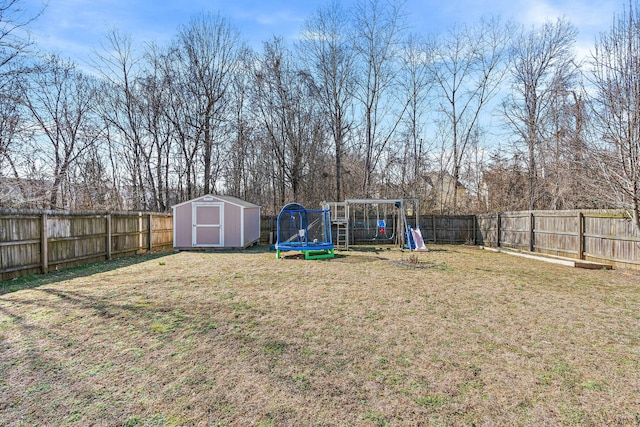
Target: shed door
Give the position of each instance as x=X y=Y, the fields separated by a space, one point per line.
x=208 y=221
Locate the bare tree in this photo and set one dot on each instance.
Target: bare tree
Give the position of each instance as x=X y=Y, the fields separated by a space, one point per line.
x=90 y=180
x=472 y=174
x=327 y=51
x=60 y=100
x=417 y=82
x=287 y=100
x=379 y=30
x=10 y=122
x=179 y=112
x=119 y=66
x=543 y=60
x=243 y=169
x=616 y=80
x=134 y=106
x=563 y=148
x=15 y=41
x=153 y=96
x=504 y=183
x=207 y=51
x=469 y=66
x=14 y=154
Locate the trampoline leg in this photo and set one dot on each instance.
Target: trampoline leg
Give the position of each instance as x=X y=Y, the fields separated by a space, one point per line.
x=318 y=254
x=277 y=253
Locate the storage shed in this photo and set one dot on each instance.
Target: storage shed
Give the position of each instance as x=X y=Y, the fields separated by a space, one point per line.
x=213 y=221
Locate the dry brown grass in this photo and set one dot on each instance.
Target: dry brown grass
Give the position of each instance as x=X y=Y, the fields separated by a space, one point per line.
x=365 y=339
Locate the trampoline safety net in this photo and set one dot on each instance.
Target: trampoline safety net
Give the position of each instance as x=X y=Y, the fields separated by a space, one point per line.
x=305 y=230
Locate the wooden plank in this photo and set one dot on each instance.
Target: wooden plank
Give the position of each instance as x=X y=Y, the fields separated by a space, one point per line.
x=20 y=242
x=108 y=242
x=150 y=232
x=140 y=245
x=593 y=265
x=44 y=246
x=567 y=263
x=580 y=235
x=560 y=261
x=531 y=232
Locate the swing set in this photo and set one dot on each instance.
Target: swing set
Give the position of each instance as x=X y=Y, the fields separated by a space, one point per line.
x=372 y=221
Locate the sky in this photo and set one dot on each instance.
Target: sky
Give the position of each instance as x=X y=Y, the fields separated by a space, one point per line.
x=76 y=28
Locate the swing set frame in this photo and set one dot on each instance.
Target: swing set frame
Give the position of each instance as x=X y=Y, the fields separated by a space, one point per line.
x=341 y=218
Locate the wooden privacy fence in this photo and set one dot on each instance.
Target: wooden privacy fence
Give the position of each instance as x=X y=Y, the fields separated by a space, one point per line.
x=448 y=229
x=40 y=241
x=590 y=235
x=268 y=228
x=436 y=229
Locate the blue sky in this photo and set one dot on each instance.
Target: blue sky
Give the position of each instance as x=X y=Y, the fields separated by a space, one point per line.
x=73 y=28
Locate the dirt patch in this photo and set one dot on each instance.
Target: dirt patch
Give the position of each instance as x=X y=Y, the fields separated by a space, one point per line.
x=357 y=259
x=418 y=265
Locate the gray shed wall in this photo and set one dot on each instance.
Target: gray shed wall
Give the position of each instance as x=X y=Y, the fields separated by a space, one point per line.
x=251 y=225
x=183 y=225
x=232 y=229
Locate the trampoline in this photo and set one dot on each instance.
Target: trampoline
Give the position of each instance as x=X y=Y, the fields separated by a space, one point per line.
x=304 y=230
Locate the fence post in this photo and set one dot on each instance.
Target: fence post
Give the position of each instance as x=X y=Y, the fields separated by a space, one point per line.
x=150 y=232
x=435 y=232
x=139 y=232
x=108 y=219
x=44 y=244
x=532 y=235
x=271 y=232
x=498 y=230
x=580 y=235
x=474 y=218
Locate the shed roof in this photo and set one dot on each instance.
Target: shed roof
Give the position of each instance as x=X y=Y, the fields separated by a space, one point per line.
x=238 y=201
x=228 y=199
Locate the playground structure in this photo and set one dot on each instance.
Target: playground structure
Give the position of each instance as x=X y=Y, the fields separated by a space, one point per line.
x=385 y=221
x=304 y=230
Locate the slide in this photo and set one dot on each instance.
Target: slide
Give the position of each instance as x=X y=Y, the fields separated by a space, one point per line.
x=417 y=238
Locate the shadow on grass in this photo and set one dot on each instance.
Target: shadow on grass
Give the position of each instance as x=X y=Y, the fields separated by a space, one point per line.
x=359 y=254
x=373 y=248
x=258 y=249
x=249 y=250
x=36 y=280
x=353 y=255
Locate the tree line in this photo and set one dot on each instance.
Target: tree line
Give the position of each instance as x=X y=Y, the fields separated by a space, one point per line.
x=485 y=116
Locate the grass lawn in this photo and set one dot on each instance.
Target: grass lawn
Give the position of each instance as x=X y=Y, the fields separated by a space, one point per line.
x=374 y=337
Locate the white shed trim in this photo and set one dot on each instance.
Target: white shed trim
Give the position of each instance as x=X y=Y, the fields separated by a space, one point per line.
x=242 y=226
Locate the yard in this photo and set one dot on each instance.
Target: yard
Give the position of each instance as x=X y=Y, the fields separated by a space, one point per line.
x=373 y=337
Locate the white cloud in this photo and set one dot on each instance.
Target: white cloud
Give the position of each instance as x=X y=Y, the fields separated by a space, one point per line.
x=68 y=24
x=539 y=12
x=589 y=16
